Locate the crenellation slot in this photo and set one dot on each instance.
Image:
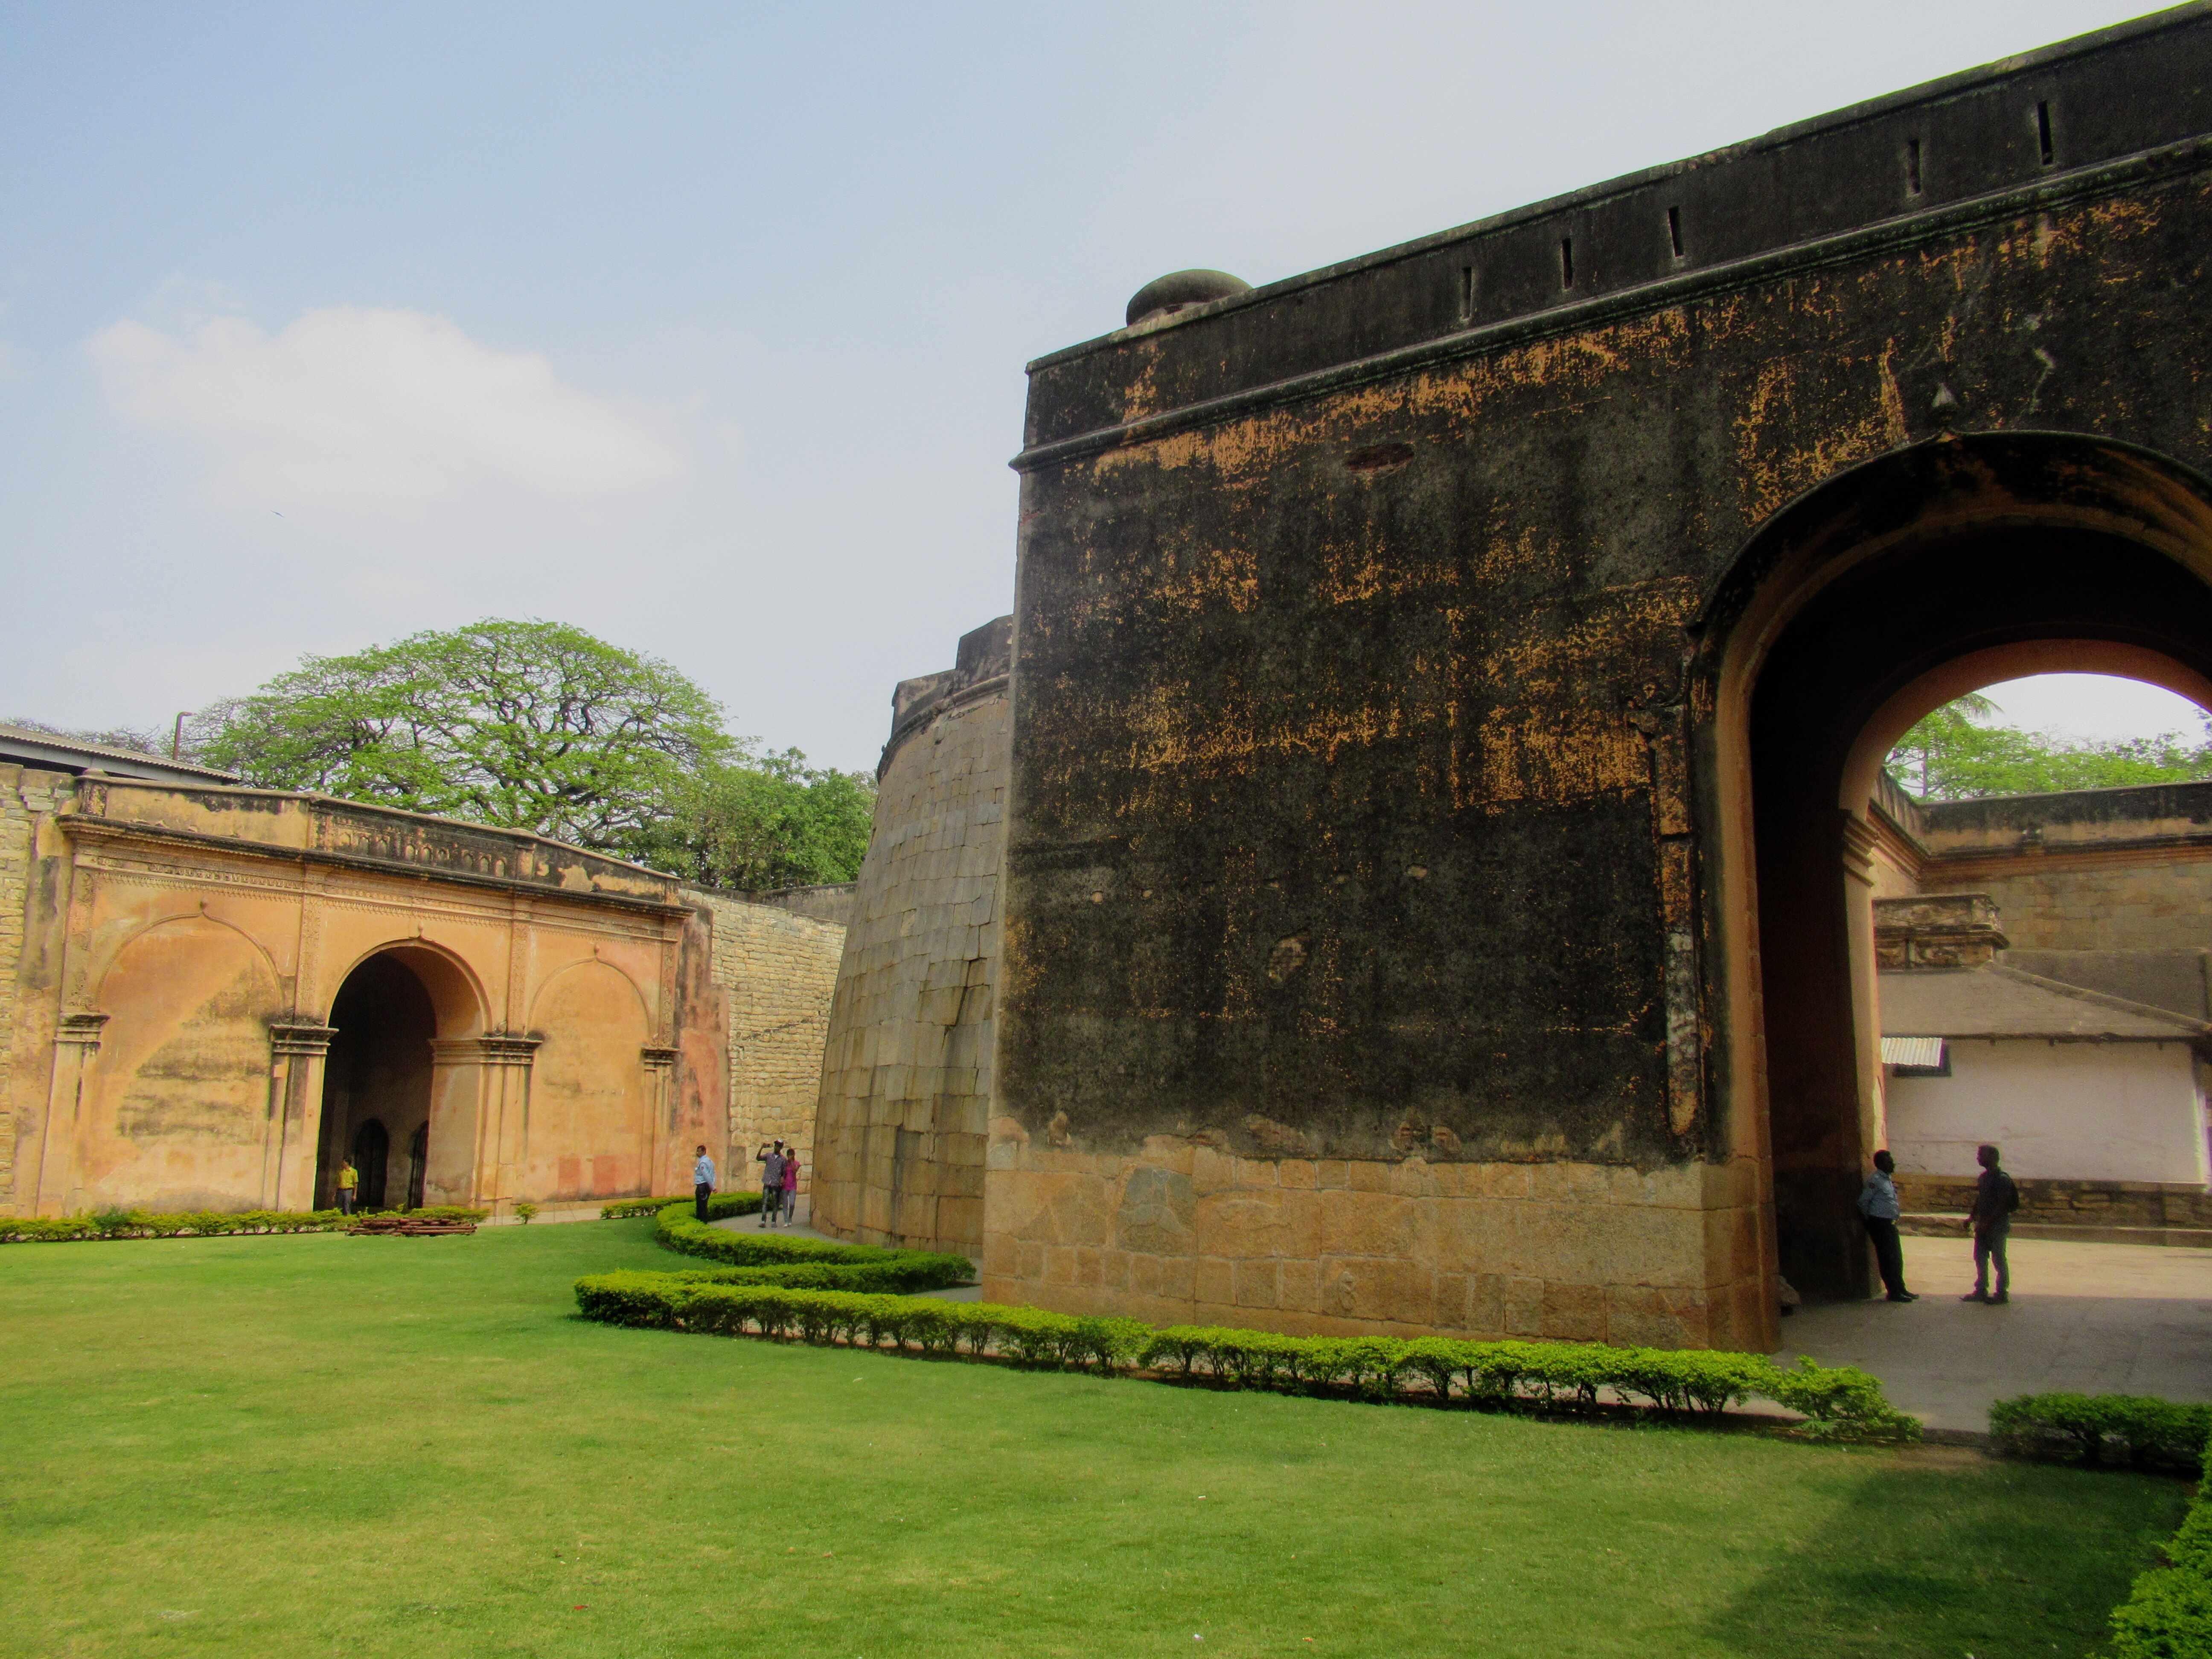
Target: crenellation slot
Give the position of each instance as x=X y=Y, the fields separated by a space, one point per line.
x=1674 y=230
x=1467 y=294
x=1913 y=167
x=2043 y=131
x=1566 y=261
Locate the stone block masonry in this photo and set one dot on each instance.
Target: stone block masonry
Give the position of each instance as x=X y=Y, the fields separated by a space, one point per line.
x=776 y=971
x=906 y=1080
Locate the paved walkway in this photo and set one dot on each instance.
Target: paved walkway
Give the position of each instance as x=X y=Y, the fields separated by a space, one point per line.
x=2096 y=1318
x=800 y=1229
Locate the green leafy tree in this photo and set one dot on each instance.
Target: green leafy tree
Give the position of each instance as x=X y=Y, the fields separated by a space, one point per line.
x=768 y=821
x=1958 y=752
x=524 y=725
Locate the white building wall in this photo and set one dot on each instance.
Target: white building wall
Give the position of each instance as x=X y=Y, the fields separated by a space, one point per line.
x=2062 y=1111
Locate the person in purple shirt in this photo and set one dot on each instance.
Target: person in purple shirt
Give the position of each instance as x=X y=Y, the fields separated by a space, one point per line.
x=771 y=1161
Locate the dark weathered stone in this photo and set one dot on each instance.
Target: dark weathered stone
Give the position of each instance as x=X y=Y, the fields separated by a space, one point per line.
x=1393 y=644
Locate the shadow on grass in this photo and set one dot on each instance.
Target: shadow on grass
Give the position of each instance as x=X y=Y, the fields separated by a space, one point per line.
x=1953 y=1553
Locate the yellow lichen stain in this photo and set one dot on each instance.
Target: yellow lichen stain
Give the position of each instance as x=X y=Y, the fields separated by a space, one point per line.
x=1555 y=756
x=1896 y=429
x=1547 y=661
x=1370 y=569
x=1776 y=458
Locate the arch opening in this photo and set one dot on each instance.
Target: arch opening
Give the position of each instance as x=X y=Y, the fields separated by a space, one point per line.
x=1892 y=594
x=377 y=1085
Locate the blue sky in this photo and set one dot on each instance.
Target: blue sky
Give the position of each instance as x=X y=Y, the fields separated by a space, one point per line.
x=703 y=326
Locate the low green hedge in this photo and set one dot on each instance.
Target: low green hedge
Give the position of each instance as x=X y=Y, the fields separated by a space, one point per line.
x=1841 y=1402
x=2139 y=1429
x=2169 y=1614
x=148 y=1223
x=678 y=1230
x=720 y=1206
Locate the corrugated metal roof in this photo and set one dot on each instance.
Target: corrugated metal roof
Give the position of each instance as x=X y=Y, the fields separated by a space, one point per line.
x=1912 y=1051
x=54 y=751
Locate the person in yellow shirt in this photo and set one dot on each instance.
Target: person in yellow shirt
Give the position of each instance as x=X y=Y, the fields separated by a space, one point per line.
x=349 y=1187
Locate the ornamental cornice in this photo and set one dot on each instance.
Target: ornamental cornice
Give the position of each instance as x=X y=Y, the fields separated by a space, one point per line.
x=82 y=1029
x=300 y=1037
x=493 y=1048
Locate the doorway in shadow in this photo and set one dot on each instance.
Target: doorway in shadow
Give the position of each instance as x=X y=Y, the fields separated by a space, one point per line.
x=376 y=1085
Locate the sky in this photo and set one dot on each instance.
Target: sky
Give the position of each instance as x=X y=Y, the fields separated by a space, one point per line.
x=703 y=326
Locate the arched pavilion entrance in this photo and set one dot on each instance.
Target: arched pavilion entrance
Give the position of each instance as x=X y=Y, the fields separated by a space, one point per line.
x=379 y=1097
x=1874 y=600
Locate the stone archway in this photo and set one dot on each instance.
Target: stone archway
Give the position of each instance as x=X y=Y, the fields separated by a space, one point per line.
x=376 y=1081
x=1869 y=601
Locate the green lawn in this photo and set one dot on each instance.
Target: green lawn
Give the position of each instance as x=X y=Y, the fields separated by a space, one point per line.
x=410 y=1447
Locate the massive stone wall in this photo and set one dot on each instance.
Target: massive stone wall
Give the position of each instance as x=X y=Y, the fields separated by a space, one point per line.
x=906 y=1080
x=1396 y=676
x=775 y=970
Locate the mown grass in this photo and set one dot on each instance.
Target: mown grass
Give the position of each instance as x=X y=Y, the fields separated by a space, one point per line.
x=319 y=1446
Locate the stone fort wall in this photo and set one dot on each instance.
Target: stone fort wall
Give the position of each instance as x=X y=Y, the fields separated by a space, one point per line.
x=907 y=1077
x=776 y=971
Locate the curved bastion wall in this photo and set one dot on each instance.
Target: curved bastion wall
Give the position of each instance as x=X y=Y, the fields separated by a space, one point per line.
x=902 y=1115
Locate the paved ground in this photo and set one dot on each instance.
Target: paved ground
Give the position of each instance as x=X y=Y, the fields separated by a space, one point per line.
x=2099 y=1318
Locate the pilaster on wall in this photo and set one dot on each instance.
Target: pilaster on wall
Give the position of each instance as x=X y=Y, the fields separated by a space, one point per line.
x=26 y=797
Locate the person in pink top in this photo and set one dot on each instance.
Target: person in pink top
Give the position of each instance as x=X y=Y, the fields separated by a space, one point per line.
x=791 y=1185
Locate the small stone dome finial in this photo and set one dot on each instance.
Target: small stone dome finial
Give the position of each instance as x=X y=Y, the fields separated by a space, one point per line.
x=1178 y=288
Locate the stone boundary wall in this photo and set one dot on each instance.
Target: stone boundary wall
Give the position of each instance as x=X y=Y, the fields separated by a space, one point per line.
x=776 y=972
x=2070 y=1203
x=1187 y=1233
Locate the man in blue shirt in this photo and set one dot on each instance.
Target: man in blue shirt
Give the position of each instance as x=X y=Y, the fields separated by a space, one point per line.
x=1879 y=1209
x=702 y=1182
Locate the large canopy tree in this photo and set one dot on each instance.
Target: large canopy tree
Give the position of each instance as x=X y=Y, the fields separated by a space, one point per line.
x=541 y=727
x=1958 y=752
x=525 y=725
x=766 y=822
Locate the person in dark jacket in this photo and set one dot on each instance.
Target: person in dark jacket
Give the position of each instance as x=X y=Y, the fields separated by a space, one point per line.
x=1879 y=1209
x=1995 y=1197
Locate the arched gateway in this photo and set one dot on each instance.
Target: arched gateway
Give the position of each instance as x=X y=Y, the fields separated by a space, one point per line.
x=1880 y=595
x=236 y=990
x=1445 y=685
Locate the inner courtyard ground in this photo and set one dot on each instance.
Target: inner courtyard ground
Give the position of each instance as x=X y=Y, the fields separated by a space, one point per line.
x=372 y=1446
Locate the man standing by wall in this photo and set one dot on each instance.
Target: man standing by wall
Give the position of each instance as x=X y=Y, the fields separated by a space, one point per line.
x=1995 y=1197
x=349 y=1187
x=1879 y=1209
x=702 y=1182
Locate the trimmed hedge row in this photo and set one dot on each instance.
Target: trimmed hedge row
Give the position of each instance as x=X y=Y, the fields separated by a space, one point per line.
x=720 y=1206
x=2169 y=1614
x=147 y=1224
x=1841 y=1402
x=678 y=1230
x=2140 y=1428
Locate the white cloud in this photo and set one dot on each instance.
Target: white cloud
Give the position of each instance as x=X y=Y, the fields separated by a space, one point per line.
x=355 y=409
